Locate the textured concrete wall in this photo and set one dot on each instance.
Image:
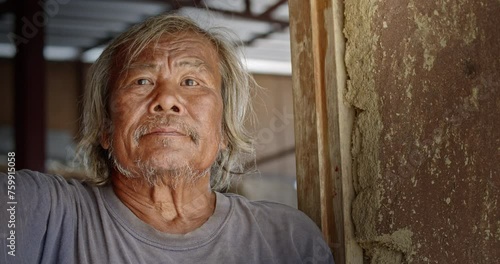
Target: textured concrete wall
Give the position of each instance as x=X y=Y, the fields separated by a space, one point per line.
x=424 y=77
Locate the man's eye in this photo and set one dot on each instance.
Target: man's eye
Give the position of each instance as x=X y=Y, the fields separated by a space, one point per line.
x=189 y=82
x=143 y=82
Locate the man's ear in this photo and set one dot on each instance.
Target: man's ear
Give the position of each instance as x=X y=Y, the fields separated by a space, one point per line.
x=104 y=140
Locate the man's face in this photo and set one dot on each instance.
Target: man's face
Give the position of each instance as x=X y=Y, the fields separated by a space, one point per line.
x=166 y=107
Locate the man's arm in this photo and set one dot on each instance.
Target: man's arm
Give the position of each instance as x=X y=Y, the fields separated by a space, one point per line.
x=24 y=207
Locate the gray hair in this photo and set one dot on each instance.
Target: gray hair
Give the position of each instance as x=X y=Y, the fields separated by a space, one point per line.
x=235 y=92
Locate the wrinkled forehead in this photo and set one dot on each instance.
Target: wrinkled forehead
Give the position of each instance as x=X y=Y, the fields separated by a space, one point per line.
x=175 y=45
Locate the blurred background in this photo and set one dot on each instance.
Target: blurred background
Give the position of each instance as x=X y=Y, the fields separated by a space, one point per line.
x=59 y=39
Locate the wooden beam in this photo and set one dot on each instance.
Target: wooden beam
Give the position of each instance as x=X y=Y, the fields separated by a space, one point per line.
x=29 y=85
x=304 y=97
x=323 y=122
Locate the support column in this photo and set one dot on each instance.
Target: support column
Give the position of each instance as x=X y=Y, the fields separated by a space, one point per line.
x=323 y=123
x=29 y=85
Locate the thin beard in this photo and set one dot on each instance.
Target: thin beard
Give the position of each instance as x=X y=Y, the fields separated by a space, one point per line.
x=172 y=178
x=153 y=177
x=125 y=172
x=149 y=173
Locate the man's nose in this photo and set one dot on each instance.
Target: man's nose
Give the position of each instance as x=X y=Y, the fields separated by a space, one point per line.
x=167 y=99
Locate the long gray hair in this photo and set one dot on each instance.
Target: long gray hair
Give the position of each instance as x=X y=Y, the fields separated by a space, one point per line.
x=236 y=90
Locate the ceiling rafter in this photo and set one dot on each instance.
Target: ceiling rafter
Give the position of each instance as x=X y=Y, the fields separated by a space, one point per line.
x=248 y=14
x=176 y=4
x=72 y=20
x=270 y=10
x=264 y=16
x=261 y=36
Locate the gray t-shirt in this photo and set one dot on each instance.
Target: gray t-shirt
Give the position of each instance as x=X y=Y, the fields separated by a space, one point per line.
x=48 y=219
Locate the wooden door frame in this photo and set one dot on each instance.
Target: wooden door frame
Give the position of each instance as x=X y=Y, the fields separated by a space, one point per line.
x=323 y=122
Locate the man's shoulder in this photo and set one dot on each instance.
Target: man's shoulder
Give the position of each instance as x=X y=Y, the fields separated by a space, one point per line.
x=271 y=212
x=287 y=230
x=29 y=180
x=260 y=204
x=37 y=176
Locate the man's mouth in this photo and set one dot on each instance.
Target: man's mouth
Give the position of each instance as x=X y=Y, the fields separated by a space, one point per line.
x=165 y=131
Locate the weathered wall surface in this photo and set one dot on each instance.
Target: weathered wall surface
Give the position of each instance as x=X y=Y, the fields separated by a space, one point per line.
x=424 y=77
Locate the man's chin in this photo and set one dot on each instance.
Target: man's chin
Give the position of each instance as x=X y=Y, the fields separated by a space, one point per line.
x=172 y=176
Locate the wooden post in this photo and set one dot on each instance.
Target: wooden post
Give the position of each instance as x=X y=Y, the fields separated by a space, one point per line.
x=323 y=122
x=29 y=85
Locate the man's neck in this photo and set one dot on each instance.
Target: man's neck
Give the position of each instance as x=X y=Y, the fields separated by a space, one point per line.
x=177 y=211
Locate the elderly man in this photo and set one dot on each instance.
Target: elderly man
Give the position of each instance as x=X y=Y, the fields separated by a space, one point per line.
x=162 y=133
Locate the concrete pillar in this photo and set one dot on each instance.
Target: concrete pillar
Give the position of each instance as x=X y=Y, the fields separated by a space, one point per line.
x=424 y=77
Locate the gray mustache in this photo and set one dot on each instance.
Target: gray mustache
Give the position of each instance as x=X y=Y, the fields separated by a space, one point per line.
x=155 y=122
